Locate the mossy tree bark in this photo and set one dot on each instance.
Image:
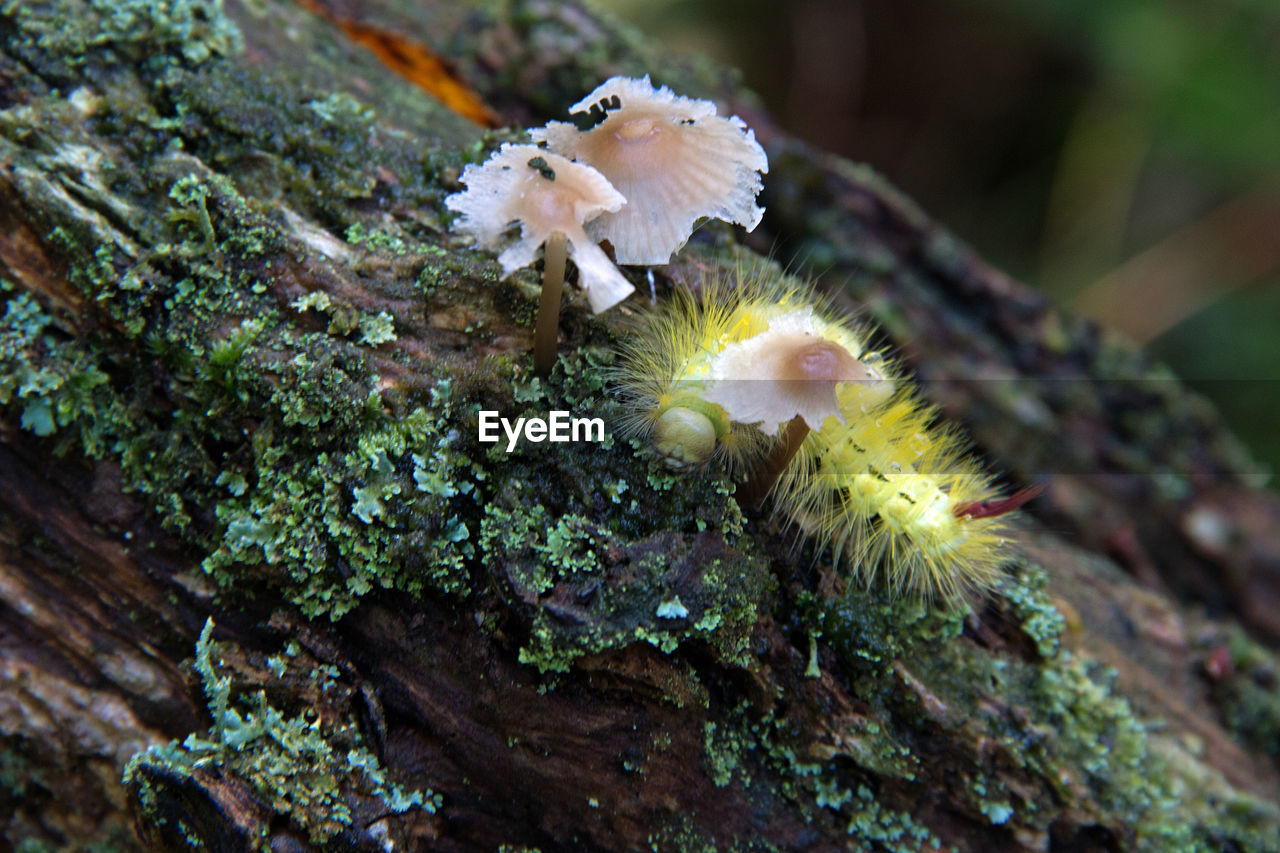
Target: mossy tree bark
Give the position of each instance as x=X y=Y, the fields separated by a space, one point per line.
x=242 y=368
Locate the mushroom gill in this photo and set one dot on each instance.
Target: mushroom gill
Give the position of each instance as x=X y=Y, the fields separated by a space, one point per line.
x=674 y=159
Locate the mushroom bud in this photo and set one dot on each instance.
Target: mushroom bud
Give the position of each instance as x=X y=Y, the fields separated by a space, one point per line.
x=549 y=198
x=674 y=159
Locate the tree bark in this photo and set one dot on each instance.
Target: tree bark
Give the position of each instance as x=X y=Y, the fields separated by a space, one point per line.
x=260 y=585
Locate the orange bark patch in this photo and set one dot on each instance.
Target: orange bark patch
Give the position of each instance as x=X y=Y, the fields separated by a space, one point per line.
x=414 y=61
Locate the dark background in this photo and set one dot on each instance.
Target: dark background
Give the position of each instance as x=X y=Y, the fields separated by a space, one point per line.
x=1122 y=155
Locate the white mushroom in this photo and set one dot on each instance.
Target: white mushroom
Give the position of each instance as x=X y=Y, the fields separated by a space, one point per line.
x=674 y=159
x=549 y=198
x=784 y=380
x=788 y=371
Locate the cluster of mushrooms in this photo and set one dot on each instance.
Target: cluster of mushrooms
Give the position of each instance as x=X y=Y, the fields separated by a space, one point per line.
x=640 y=178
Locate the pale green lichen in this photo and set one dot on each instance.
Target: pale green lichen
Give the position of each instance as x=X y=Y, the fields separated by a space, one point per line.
x=585 y=590
x=870 y=823
x=998 y=812
x=303 y=768
x=672 y=608
x=357 y=235
x=1024 y=592
x=48 y=380
x=297 y=517
x=377 y=328
x=317 y=299
x=741 y=742
x=722 y=752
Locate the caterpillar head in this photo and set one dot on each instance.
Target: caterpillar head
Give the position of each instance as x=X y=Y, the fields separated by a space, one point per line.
x=684 y=438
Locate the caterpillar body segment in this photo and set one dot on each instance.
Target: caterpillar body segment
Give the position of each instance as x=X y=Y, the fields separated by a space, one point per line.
x=883 y=490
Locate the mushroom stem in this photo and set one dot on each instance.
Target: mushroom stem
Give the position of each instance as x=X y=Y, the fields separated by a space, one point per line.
x=752 y=493
x=548 y=326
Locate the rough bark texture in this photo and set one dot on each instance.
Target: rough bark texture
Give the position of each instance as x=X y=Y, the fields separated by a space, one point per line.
x=242 y=364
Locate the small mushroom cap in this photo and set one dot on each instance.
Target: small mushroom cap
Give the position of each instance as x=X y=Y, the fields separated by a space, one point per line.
x=786 y=371
x=674 y=159
x=545 y=194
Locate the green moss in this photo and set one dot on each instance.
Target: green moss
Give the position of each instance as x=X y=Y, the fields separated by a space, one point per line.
x=306 y=768
x=271 y=431
x=870 y=631
x=270 y=446
x=336 y=489
x=764 y=755
x=47 y=380
x=330 y=156
x=1023 y=591
x=165 y=36
x=589 y=564
x=563 y=550
x=1055 y=718
x=585 y=590
x=1247 y=689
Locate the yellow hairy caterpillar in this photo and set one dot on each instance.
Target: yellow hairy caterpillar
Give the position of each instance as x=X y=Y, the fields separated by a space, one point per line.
x=667 y=366
x=874 y=479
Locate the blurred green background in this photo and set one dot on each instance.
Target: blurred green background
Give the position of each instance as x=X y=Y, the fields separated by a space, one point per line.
x=1123 y=155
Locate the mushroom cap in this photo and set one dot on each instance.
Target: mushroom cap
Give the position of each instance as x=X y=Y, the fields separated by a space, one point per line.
x=545 y=194
x=788 y=370
x=674 y=159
